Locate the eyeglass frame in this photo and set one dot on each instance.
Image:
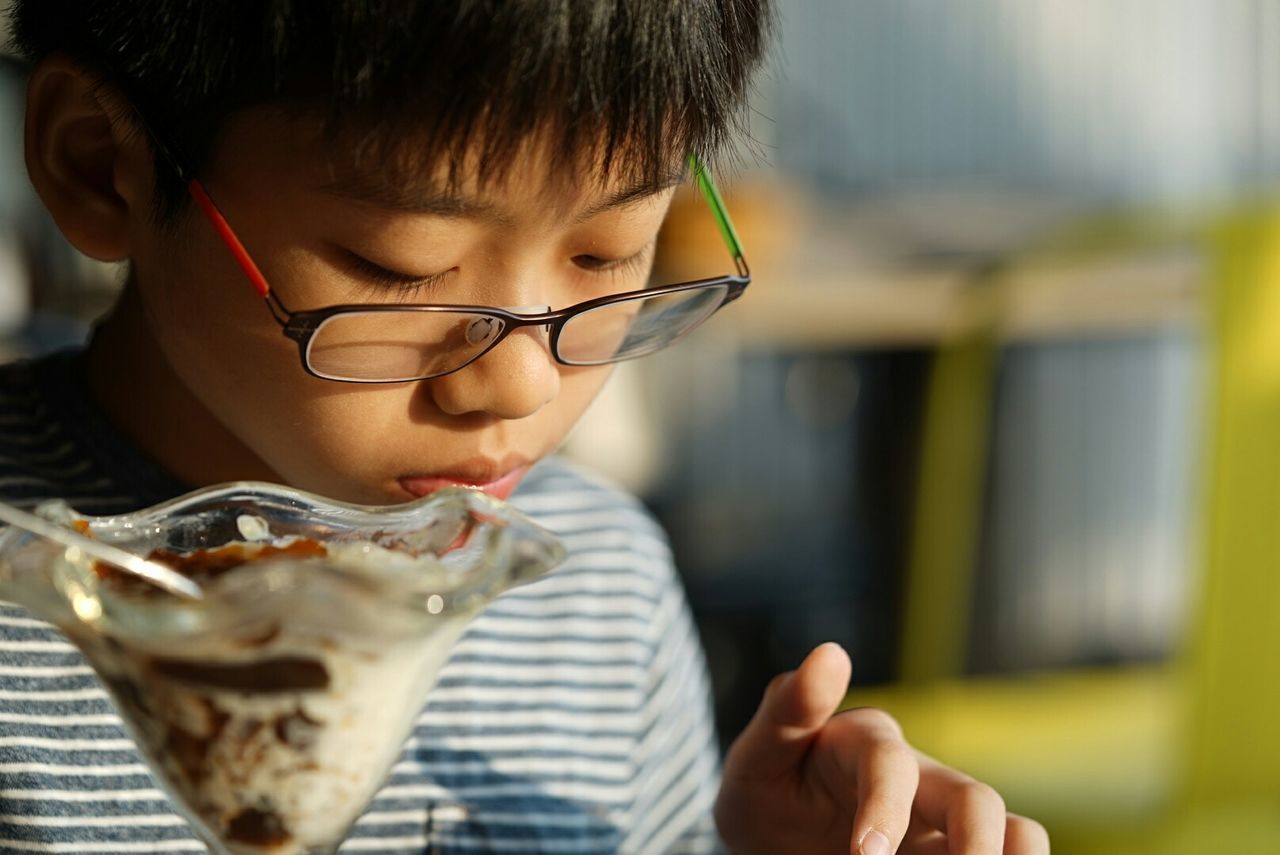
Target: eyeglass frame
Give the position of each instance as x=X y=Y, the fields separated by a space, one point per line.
x=301 y=326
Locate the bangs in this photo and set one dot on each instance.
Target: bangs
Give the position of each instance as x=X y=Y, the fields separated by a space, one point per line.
x=622 y=89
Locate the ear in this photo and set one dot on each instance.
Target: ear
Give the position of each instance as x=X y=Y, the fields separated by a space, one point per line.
x=87 y=162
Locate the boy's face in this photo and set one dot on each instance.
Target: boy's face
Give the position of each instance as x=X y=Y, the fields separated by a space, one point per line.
x=318 y=237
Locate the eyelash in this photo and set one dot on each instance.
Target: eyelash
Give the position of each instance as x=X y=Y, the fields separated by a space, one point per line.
x=616 y=267
x=377 y=275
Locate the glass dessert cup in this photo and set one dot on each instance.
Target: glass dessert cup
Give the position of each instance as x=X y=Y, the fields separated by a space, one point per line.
x=272 y=708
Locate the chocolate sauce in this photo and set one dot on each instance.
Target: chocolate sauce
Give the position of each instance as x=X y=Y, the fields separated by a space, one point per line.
x=204 y=565
x=258 y=828
x=190 y=750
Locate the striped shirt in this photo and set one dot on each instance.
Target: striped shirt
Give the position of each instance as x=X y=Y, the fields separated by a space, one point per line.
x=573 y=715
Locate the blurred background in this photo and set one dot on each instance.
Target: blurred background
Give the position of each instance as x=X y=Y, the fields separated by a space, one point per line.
x=999 y=412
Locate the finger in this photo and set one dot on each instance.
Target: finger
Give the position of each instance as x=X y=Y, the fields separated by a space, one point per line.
x=1023 y=836
x=927 y=841
x=971 y=813
x=868 y=767
x=794 y=709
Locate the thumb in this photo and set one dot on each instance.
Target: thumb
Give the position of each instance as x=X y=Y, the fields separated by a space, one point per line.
x=795 y=707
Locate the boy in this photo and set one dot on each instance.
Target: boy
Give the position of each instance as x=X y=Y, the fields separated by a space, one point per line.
x=374 y=156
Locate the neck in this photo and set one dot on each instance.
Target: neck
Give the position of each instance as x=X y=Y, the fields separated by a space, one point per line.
x=134 y=385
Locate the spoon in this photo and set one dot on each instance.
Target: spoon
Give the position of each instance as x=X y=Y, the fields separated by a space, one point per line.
x=155 y=573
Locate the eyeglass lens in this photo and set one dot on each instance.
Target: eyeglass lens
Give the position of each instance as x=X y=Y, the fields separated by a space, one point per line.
x=638 y=327
x=381 y=345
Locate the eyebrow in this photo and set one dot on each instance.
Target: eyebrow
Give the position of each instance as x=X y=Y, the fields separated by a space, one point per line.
x=413 y=198
x=632 y=193
x=409 y=198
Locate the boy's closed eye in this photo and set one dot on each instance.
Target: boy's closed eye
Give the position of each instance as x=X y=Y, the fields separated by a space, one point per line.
x=632 y=263
x=618 y=232
x=370 y=275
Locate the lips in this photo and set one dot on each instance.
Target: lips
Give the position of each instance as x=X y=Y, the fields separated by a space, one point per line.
x=498 y=479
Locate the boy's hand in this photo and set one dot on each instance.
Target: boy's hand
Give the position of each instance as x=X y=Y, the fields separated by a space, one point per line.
x=800 y=780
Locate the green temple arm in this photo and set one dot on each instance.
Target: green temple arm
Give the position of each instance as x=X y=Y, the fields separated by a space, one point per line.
x=712 y=195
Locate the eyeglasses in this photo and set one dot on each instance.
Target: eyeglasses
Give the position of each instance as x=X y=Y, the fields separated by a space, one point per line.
x=398 y=343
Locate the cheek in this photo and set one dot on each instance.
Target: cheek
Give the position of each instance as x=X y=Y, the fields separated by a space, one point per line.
x=357 y=425
x=202 y=308
x=219 y=339
x=341 y=440
x=233 y=362
x=578 y=388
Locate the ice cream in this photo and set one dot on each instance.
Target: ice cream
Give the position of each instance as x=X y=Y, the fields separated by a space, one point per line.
x=276 y=737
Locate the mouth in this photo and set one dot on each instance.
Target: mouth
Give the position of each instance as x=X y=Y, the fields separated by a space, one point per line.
x=498 y=479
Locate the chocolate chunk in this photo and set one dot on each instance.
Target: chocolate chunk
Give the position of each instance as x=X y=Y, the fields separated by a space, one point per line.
x=284 y=674
x=258 y=828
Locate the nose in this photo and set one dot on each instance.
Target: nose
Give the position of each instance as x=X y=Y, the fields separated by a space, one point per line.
x=513 y=381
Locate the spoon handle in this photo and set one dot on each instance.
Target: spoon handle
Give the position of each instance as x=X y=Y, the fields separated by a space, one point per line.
x=154 y=572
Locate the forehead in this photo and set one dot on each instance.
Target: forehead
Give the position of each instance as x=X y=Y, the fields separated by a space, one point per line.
x=472 y=179
x=422 y=195
x=404 y=169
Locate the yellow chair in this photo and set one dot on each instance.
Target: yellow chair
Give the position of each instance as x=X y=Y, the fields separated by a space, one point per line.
x=1178 y=758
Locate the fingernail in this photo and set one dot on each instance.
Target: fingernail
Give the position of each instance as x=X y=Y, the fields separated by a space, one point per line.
x=874 y=843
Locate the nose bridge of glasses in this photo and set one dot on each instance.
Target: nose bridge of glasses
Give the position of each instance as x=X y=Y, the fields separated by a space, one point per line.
x=535 y=309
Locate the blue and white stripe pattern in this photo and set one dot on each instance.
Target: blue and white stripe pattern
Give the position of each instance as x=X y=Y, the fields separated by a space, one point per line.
x=572 y=717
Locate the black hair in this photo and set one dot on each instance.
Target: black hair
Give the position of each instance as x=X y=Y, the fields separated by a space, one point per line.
x=634 y=84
